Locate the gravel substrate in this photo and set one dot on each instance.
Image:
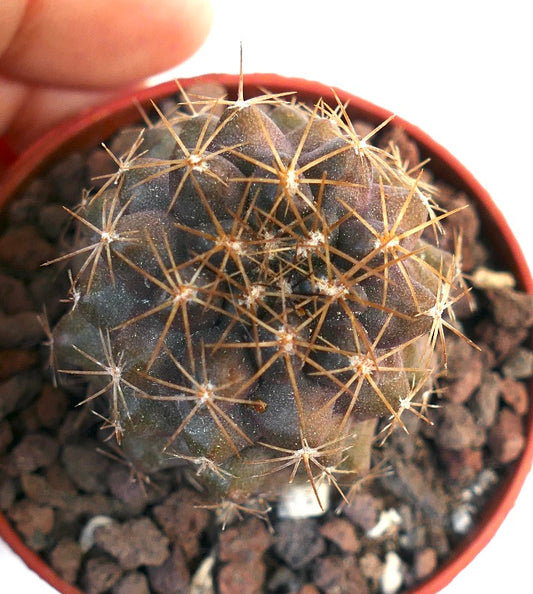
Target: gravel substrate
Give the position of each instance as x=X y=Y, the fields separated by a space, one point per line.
x=104 y=527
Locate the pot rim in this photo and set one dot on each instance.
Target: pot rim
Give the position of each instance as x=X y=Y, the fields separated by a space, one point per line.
x=97 y=123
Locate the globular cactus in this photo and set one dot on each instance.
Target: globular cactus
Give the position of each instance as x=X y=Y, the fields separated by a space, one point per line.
x=251 y=291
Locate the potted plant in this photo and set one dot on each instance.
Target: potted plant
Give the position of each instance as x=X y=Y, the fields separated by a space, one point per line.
x=335 y=305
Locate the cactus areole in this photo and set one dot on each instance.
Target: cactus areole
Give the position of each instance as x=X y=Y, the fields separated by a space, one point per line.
x=253 y=288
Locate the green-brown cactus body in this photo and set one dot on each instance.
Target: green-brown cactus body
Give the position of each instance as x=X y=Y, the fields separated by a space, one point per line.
x=249 y=290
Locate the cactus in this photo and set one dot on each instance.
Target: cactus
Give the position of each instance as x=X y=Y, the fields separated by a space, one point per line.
x=252 y=289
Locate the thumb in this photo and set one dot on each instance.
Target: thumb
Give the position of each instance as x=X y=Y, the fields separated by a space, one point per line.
x=98 y=44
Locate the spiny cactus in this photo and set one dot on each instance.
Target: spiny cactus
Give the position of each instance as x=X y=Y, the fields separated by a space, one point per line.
x=251 y=291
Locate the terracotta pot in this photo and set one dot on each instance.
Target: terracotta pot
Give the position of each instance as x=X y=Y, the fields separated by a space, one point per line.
x=93 y=126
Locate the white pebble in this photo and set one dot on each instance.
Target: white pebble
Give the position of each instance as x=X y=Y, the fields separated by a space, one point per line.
x=486 y=479
x=391 y=579
x=298 y=501
x=483 y=278
x=87 y=534
x=461 y=520
x=389 y=519
x=202 y=580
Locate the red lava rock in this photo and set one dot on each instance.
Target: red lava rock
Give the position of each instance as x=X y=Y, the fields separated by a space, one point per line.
x=283 y=580
x=43 y=290
x=172 y=577
x=76 y=422
x=519 y=364
x=67 y=177
x=24 y=209
x=464 y=223
x=51 y=406
x=465 y=370
x=22 y=249
x=308 y=589
x=17 y=389
x=399 y=138
x=510 y=308
x=94 y=504
x=500 y=340
x=342 y=533
x=58 y=478
x=53 y=219
x=461 y=390
x=34 y=522
x=34 y=451
x=425 y=563
x=29 y=420
x=457 y=429
x=8 y=493
x=241 y=577
x=363 y=511
x=132 y=583
x=134 y=543
x=488 y=356
x=408 y=481
x=462 y=465
x=181 y=519
x=6 y=435
x=244 y=542
x=13 y=361
x=339 y=575
x=486 y=400
x=101 y=574
x=37 y=488
x=21 y=330
x=371 y=567
x=129 y=490
x=515 y=394
x=65 y=558
x=298 y=542
x=99 y=164
x=86 y=467
x=14 y=297
x=506 y=438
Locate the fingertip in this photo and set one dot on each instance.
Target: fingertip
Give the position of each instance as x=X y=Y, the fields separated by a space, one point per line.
x=197 y=19
x=11 y=15
x=103 y=44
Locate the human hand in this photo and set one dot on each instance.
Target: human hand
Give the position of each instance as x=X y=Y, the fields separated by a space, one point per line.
x=60 y=56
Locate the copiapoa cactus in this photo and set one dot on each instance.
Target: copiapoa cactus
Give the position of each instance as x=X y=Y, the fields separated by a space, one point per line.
x=252 y=289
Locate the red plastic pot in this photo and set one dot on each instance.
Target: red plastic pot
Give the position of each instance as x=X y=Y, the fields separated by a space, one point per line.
x=93 y=126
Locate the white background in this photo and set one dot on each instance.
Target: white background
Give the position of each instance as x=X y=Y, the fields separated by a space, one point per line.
x=461 y=71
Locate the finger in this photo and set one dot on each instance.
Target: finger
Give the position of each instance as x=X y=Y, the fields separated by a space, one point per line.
x=35 y=110
x=11 y=14
x=12 y=96
x=102 y=43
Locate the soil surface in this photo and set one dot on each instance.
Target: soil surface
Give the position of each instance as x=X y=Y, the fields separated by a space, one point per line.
x=106 y=528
